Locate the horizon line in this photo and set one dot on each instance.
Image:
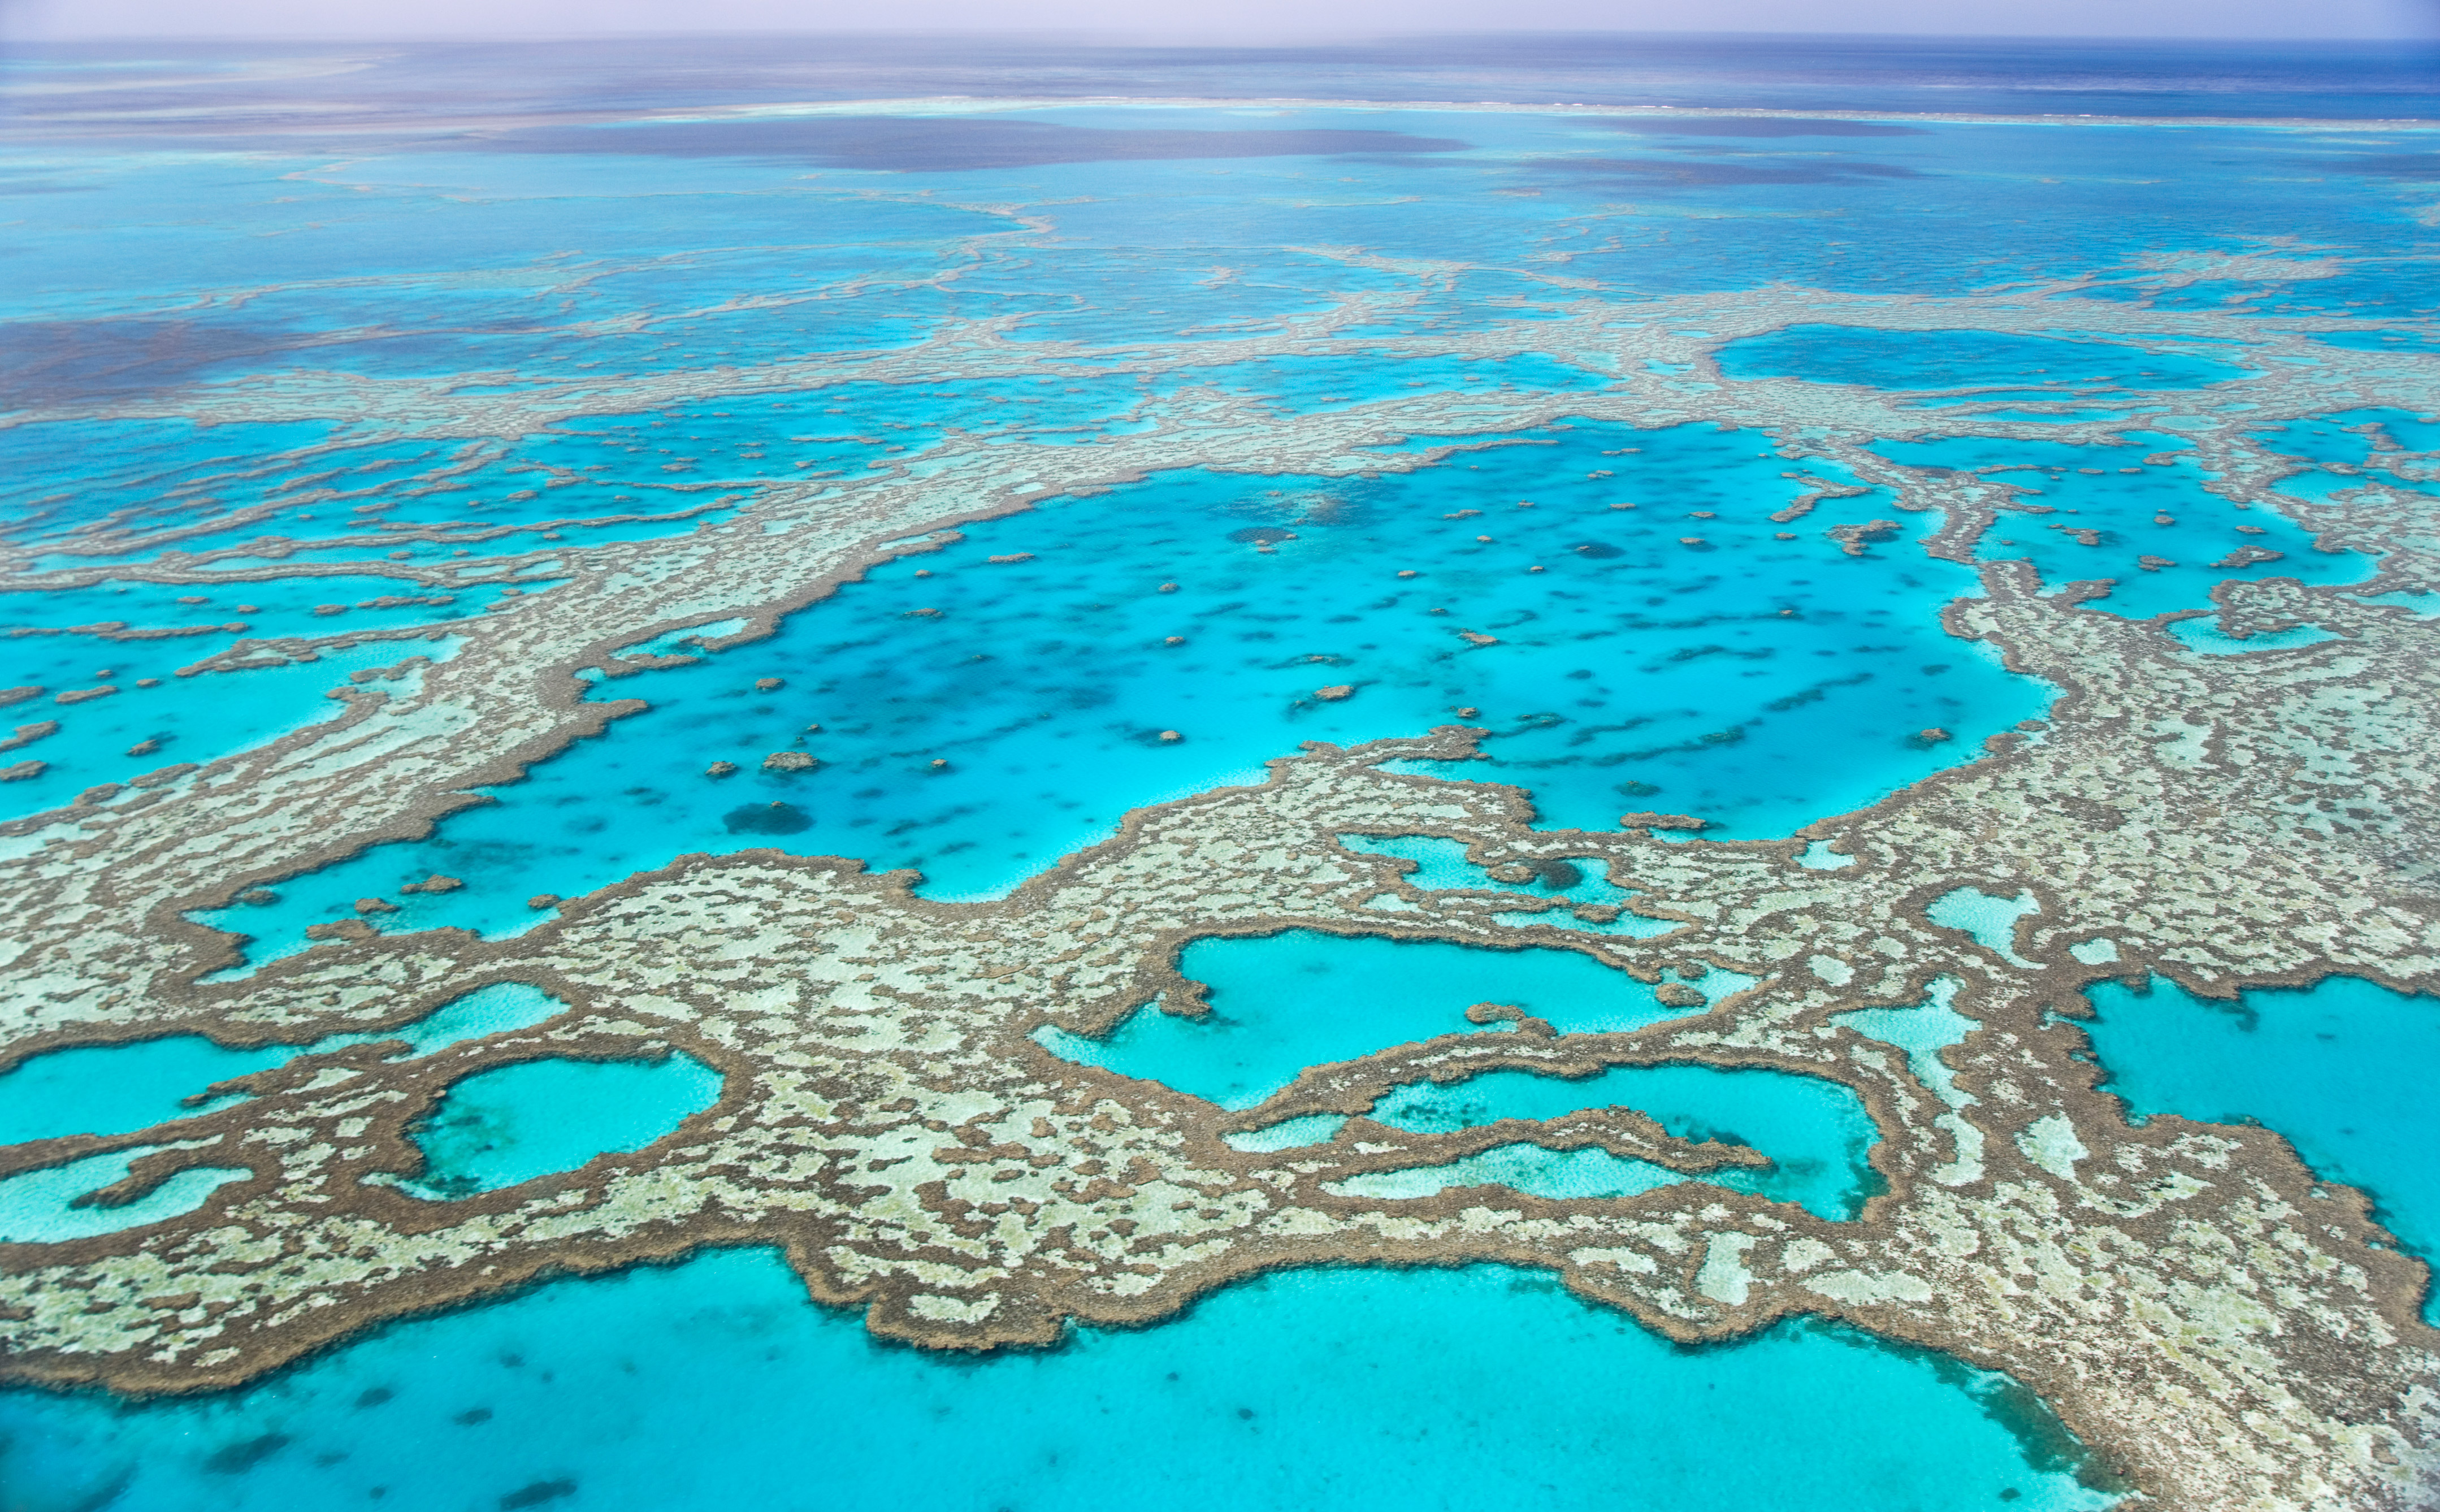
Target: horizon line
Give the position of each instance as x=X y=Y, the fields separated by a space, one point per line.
x=1198 y=40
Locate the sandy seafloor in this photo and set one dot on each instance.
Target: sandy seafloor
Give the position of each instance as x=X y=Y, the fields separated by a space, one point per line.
x=446 y=487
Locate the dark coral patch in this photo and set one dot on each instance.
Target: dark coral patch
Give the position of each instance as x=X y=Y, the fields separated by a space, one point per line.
x=768 y=818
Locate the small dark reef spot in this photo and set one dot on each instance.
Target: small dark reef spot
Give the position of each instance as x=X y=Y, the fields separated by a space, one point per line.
x=1556 y=874
x=235 y=1459
x=767 y=818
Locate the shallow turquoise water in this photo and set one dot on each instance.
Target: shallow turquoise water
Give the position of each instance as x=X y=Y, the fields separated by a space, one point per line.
x=1442 y=864
x=160 y=467
x=193 y=719
x=715 y=1383
x=305 y=606
x=1574 y=1174
x=42 y=1206
x=115 y=1088
x=118 y=1089
x=512 y=1124
x=1282 y=1003
x=1756 y=682
x=2012 y=365
x=2140 y=501
x=1815 y=1131
x=2343 y=1069
x=2335 y=438
x=1988 y=918
x=1922 y=1031
x=2423 y=605
x=2205 y=636
x=493 y=1010
x=487 y=1137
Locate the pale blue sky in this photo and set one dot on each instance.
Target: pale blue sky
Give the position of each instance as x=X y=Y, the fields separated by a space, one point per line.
x=1219 y=19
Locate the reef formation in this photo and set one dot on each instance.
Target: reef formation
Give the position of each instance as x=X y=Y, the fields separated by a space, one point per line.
x=2224 y=1329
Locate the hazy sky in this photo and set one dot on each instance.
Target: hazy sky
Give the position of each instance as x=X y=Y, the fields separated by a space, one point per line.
x=1217 y=19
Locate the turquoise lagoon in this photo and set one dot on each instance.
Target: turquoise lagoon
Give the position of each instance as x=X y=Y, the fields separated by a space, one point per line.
x=45 y=1206
x=114 y=1089
x=1987 y=365
x=491 y=1129
x=1754 y=681
x=2342 y=1069
x=134 y=729
x=1816 y=1132
x=500 y=1127
x=120 y=1089
x=2095 y=512
x=1282 y=1003
x=303 y=335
